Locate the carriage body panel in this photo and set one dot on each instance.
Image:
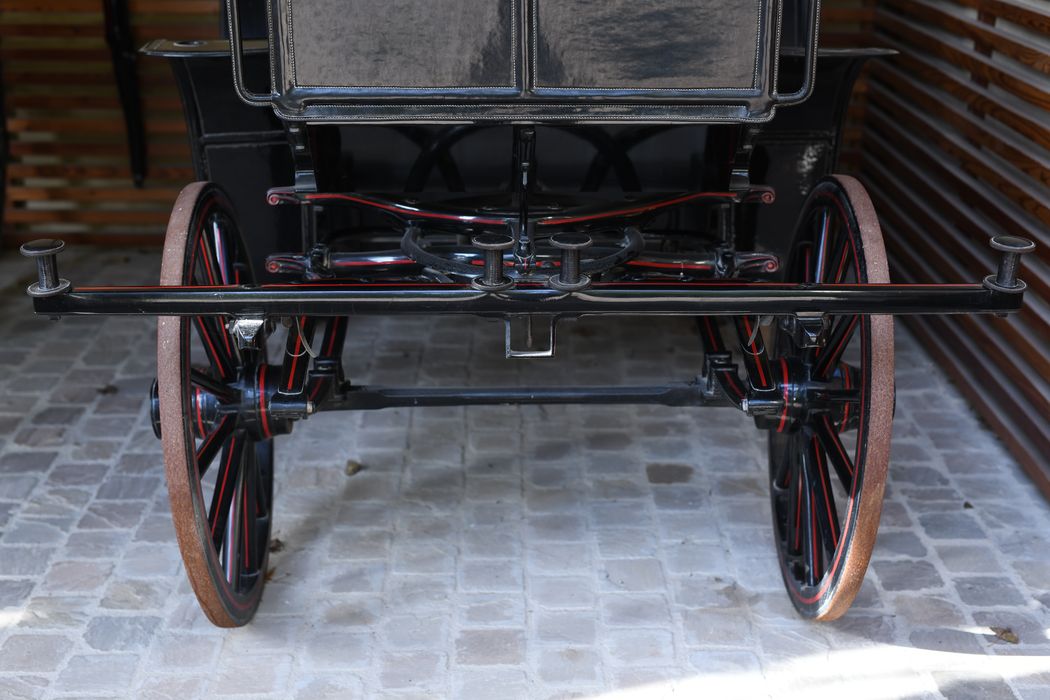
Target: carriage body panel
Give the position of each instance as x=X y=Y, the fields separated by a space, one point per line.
x=526 y=60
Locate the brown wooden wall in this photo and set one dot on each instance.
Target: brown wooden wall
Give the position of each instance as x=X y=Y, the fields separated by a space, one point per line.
x=956 y=149
x=68 y=170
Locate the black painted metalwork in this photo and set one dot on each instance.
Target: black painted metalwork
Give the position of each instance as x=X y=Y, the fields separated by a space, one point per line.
x=365 y=398
x=125 y=70
x=1012 y=248
x=640 y=299
x=45 y=252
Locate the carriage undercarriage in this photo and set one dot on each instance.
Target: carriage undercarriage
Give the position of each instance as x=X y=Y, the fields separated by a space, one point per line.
x=800 y=338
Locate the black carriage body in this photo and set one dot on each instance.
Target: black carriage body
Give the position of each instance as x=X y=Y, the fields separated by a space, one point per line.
x=247 y=151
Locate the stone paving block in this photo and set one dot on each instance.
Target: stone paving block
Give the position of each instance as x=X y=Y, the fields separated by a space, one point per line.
x=170 y=687
x=98 y=673
x=494 y=575
x=490 y=684
x=565 y=627
x=641 y=647
x=492 y=609
x=415 y=631
x=23 y=687
x=717 y=628
x=569 y=665
x=252 y=676
x=417 y=669
x=988 y=590
x=77 y=576
x=562 y=592
x=558 y=557
x=109 y=633
x=908 y=575
x=338 y=650
x=53 y=612
x=34 y=653
x=484 y=647
x=634 y=574
x=175 y=651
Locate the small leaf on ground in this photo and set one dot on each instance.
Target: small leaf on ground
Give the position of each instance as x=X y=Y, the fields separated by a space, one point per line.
x=276 y=545
x=353 y=467
x=107 y=390
x=270 y=572
x=967 y=505
x=1005 y=634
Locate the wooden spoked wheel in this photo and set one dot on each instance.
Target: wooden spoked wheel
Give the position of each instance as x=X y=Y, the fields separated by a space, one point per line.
x=829 y=450
x=218 y=451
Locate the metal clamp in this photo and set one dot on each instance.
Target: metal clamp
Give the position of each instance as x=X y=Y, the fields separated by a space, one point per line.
x=539 y=342
x=46 y=253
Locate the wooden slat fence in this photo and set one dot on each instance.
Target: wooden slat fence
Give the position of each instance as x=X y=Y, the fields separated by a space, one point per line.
x=68 y=172
x=956 y=149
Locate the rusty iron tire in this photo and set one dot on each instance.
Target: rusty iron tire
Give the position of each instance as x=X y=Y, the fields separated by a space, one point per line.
x=830 y=596
x=226 y=603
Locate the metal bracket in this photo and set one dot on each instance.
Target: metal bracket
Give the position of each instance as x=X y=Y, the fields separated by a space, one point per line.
x=535 y=331
x=809 y=330
x=247 y=331
x=715 y=362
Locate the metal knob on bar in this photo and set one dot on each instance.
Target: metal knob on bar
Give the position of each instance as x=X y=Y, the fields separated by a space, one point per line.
x=494 y=246
x=569 y=278
x=46 y=253
x=1005 y=279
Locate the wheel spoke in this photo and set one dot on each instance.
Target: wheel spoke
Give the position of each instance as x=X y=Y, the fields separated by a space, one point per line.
x=794 y=529
x=823 y=243
x=838 y=259
x=823 y=497
x=847 y=384
x=231 y=546
x=836 y=452
x=211 y=337
x=217 y=389
x=783 y=465
x=808 y=529
x=841 y=333
x=222 y=255
x=249 y=533
x=212 y=443
x=225 y=487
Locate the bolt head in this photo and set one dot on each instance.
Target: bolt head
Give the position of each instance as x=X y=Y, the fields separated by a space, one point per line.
x=41 y=247
x=493 y=241
x=571 y=241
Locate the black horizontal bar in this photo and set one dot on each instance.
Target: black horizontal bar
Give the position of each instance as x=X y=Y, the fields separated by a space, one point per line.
x=374 y=398
x=639 y=299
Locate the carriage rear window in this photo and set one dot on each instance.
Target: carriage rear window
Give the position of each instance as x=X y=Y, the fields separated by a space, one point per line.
x=646 y=45
x=404 y=43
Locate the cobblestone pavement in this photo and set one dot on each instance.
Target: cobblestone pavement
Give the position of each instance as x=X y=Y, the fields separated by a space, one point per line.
x=494 y=553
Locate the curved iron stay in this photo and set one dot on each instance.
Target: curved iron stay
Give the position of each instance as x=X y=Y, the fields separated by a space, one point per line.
x=123 y=57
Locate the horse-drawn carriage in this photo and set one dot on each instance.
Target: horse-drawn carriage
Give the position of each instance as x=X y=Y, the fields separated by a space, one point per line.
x=529 y=161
